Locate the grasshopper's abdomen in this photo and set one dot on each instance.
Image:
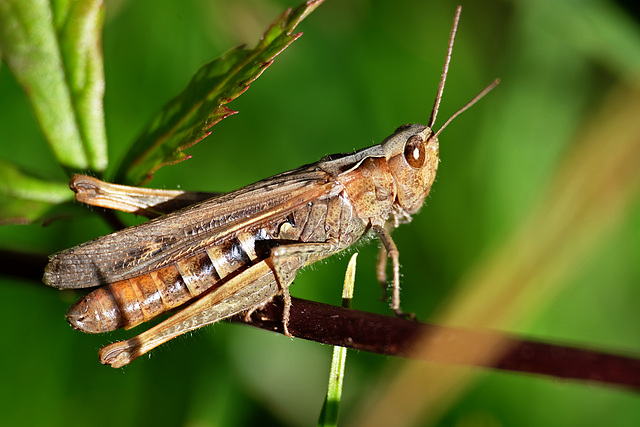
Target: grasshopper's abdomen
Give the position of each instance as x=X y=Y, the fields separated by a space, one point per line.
x=127 y=303
x=130 y=302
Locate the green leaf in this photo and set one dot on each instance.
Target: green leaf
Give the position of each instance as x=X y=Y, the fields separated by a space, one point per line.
x=24 y=198
x=54 y=50
x=187 y=118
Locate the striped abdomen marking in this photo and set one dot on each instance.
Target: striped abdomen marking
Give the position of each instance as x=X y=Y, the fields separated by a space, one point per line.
x=127 y=303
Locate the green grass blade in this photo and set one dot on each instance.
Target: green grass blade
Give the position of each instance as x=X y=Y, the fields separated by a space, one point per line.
x=329 y=413
x=187 y=118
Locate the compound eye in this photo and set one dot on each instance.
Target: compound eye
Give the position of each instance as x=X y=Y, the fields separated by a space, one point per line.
x=414 y=152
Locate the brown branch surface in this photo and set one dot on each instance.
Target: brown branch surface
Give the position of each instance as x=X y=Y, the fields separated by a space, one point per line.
x=394 y=336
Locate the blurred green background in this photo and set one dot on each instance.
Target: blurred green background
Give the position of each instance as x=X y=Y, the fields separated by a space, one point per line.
x=361 y=69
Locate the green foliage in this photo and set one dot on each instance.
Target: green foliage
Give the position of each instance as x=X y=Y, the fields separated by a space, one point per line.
x=362 y=69
x=25 y=198
x=53 y=49
x=186 y=119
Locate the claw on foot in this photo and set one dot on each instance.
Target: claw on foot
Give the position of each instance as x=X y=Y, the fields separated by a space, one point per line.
x=408 y=316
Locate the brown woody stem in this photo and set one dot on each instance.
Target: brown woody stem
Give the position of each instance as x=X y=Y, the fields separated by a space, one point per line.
x=397 y=337
x=394 y=336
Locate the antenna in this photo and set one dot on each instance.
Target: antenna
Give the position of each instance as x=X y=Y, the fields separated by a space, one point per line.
x=445 y=69
x=443 y=78
x=466 y=106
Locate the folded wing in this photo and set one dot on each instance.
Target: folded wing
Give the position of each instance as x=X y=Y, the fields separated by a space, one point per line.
x=154 y=244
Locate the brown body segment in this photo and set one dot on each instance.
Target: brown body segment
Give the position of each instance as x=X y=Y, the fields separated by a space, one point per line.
x=128 y=303
x=371 y=186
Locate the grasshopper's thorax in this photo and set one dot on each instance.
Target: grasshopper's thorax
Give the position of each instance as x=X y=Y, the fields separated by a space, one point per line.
x=412 y=157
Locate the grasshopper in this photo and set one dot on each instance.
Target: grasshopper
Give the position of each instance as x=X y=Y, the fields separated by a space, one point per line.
x=233 y=252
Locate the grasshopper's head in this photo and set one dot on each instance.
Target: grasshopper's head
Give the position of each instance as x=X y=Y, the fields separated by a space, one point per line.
x=412 y=150
x=412 y=155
